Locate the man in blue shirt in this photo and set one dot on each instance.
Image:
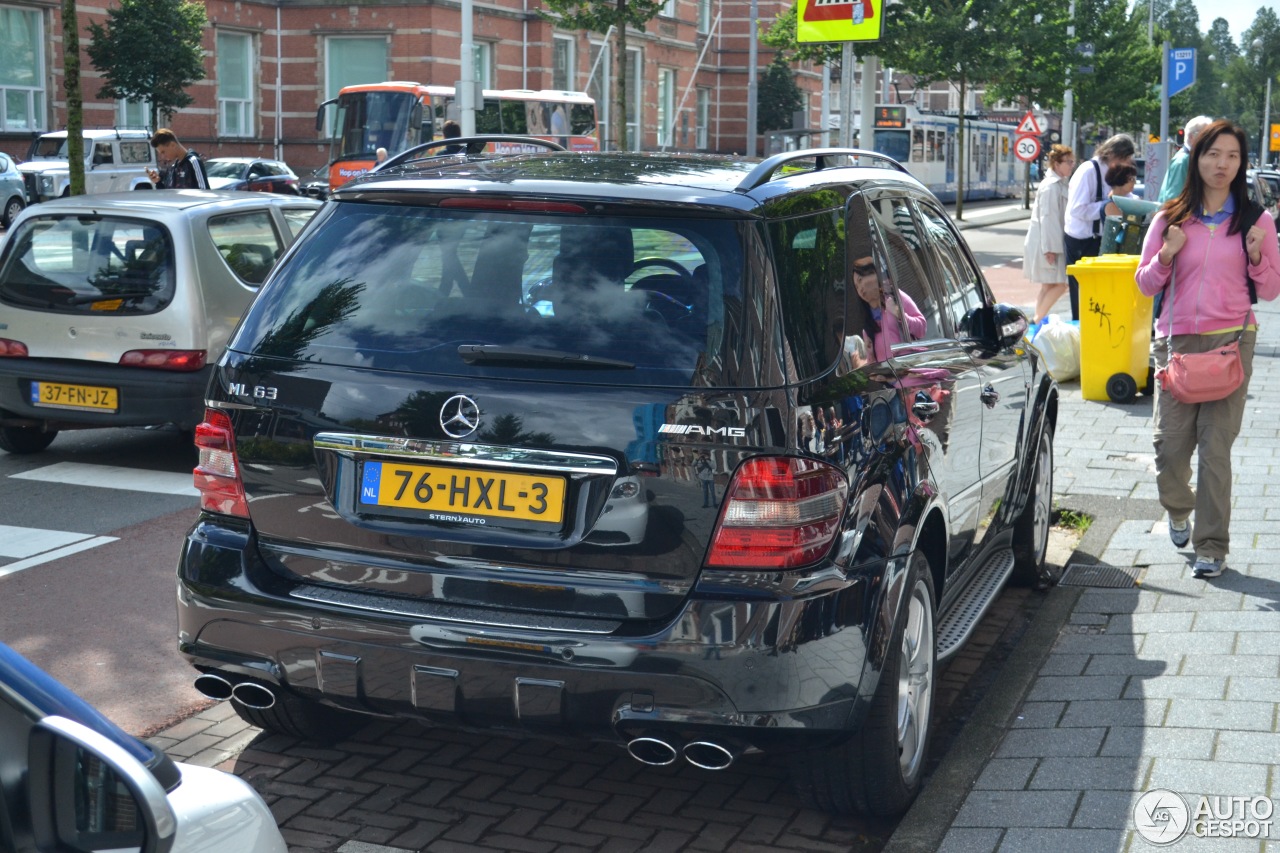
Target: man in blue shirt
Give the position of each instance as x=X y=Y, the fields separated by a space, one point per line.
x=1176 y=178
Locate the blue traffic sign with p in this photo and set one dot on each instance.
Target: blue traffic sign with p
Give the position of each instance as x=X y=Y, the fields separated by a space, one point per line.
x=1182 y=69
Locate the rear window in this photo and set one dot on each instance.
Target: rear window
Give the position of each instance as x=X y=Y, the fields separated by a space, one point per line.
x=637 y=299
x=88 y=265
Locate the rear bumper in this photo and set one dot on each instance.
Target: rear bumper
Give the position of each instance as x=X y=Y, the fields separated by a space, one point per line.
x=146 y=397
x=767 y=674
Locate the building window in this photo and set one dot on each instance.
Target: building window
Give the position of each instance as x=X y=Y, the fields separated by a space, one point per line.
x=563 y=73
x=598 y=89
x=704 y=16
x=666 y=107
x=133 y=113
x=482 y=51
x=668 y=9
x=635 y=97
x=22 y=69
x=701 y=139
x=235 y=84
x=354 y=60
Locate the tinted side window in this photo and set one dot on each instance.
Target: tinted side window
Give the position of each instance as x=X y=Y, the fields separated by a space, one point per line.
x=248 y=242
x=135 y=152
x=963 y=285
x=809 y=259
x=903 y=249
x=298 y=217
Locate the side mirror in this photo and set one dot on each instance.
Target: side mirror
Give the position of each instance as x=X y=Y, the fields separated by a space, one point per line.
x=1010 y=325
x=88 y=793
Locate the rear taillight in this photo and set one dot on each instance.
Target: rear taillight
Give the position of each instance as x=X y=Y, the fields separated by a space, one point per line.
x=217 y=477
x=183 y=360
x=780 y=512
x=12 y=349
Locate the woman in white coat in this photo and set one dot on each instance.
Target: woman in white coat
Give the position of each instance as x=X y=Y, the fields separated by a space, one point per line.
x=1044 y=260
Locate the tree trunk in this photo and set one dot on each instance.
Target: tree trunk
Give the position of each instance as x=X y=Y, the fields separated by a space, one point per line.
x=620 y=83
x=962 y=165
x=75 y=101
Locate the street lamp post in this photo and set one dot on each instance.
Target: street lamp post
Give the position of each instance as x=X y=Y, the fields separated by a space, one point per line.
x=1265 y=148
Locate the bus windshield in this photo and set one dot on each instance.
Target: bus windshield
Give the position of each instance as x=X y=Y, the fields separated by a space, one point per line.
x=372 y=120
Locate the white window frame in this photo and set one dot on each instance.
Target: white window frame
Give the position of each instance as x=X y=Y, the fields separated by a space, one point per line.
x=569 y=45
x=604 y=103
x=236 y=115
x=668 y=9
x=702 y=133
x=704 y=17
x=33 y=97
x=635 y=125
x=331 y=91
x=666 y=108
x=133 y=113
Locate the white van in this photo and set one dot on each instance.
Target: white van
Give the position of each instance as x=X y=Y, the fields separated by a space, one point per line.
x=114 y=159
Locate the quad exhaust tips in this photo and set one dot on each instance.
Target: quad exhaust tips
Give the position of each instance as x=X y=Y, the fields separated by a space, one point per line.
x=247 y=693
x=661 y=750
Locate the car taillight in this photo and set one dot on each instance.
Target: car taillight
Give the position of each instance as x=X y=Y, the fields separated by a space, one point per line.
x=217 y=477
x=13 y=349
x=185 y=360
x=780 y=512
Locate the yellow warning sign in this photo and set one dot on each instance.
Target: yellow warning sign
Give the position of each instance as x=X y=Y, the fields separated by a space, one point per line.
x=839 y=20
x=1275 y=138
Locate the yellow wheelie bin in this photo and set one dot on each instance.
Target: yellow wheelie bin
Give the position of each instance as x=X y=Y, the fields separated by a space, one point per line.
x=1115 y=329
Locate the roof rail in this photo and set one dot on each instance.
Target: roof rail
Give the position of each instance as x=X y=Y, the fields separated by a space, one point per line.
x=763 y=172
x=466 y=144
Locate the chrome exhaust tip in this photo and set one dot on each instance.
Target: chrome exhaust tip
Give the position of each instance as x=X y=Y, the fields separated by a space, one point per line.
x=253 y=695
x=213 y=686
x=652 y=750
x=709 y=755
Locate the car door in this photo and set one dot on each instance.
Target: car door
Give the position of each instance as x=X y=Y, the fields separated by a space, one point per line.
x=101 y=177
x=1004 y=375
x=940 y=383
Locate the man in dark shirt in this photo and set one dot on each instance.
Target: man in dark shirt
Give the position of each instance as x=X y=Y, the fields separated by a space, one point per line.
x=183 y=167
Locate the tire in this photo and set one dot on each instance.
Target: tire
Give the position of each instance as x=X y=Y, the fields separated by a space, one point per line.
x=25 y=439
x=878 y=771
x=303 y=718
x=12 y=208
x=1121 y=388
x=1031 y=530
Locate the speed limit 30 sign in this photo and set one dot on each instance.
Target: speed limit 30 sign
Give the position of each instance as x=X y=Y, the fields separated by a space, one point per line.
x=1027 y=148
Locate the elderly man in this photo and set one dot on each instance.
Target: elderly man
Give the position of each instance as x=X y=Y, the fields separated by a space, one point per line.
x=1086 y=198
x=1176 y=178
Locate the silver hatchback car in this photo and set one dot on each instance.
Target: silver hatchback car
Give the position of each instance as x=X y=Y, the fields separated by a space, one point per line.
x=114 y=308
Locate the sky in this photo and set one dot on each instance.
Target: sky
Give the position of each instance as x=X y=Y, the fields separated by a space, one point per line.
x=1239 y=13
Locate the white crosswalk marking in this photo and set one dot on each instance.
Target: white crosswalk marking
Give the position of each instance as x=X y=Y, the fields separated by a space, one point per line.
x=113 y=477
x=42 y=546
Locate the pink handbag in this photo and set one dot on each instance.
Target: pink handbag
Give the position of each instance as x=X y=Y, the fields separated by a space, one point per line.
x=1201 y=377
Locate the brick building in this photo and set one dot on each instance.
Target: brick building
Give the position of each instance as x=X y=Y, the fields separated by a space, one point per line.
x=269 y=65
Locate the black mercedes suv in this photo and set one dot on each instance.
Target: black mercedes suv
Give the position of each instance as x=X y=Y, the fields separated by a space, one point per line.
x=692 y=454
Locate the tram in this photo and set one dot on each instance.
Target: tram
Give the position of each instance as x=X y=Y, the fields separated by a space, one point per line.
x=928 y=144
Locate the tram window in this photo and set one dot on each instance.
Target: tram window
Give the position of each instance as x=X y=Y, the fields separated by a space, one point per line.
x=917 y=145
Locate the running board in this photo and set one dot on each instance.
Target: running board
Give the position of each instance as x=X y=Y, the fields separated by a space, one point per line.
x=967 y=612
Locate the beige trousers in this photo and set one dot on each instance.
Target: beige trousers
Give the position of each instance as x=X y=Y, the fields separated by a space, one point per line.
x=1210 y=429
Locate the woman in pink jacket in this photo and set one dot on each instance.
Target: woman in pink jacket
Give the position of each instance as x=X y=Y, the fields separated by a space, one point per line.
x=1198 y=251
x=886 y=312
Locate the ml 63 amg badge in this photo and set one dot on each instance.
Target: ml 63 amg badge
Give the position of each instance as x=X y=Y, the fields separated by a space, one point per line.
x=694 y=429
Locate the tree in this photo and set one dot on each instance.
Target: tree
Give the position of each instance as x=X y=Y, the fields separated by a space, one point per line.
x=779 y=97
x=1119 y=90
x=150 y=51
x=75 y=101
x=598 y=16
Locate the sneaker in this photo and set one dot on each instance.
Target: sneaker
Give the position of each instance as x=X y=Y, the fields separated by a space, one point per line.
x=1209 y=567
x=1180 y=532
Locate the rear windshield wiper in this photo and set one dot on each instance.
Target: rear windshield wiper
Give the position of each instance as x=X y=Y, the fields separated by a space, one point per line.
x=472 y=353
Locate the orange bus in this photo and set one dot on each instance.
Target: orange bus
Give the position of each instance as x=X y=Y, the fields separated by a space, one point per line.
x=399 y=115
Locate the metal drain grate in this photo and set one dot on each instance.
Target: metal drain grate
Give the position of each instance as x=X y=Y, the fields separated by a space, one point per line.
x=1086 y=574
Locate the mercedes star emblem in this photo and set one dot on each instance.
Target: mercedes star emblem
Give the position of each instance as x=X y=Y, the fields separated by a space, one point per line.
x=459 y=416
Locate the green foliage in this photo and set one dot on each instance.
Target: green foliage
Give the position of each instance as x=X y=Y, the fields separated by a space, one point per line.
x=778 y=96
x=150 y=50
x=1118 y=93
x=598 y=16
x=1072 y=519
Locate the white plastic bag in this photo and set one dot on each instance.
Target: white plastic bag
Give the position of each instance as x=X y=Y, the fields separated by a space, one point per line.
x=1058 y=345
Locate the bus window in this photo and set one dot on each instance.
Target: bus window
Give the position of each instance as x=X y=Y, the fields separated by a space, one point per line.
x=514 y=118
x=489 y=119
x=582 y=119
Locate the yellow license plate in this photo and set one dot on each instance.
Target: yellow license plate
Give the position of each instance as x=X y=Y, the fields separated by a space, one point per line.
x=57 y=395
x=456 y=494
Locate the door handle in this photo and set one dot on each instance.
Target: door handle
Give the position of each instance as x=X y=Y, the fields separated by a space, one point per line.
x=924 y=407
x=990 y=396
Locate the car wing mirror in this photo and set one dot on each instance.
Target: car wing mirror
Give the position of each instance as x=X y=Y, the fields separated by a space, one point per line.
x=1008 y=325
x=87 y=793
